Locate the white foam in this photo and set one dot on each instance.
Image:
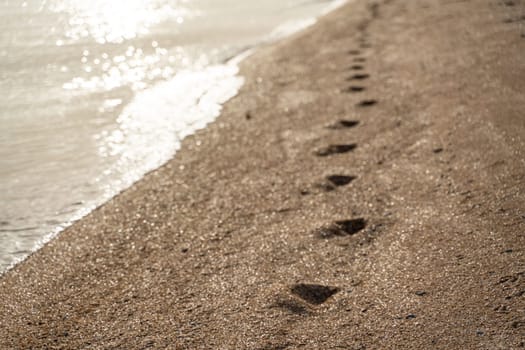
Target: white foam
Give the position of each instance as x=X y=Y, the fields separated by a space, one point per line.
x=151 y=128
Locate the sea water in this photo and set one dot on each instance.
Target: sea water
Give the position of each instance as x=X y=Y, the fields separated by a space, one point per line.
x=94 y=94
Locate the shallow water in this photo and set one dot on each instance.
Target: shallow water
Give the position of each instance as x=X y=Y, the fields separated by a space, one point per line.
x=94 y=94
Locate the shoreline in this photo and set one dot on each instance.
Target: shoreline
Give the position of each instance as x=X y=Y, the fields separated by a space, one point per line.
x=87 y=205
x=362 y=190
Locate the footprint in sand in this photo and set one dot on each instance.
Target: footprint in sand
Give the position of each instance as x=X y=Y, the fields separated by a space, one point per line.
x=514 y=20
x=354 y=52
x=363 y=26
x=353 y=89
x=367 y=103
x=341 y=228
x=359 y=77
x=357 y=67
x=343 y=124
x=314 y=293
x=340 y=180
x=335 y=149
x=509 y=3
x=359 y=59
x=331 y=182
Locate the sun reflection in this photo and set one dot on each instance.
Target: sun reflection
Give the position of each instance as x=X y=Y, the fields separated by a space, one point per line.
x=118 y=20
x=132 y=68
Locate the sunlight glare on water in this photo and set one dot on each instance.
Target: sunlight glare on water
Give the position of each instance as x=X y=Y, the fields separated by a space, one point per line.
x=117 y=21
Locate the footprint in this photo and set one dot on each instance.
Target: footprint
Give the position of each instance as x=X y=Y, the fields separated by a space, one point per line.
x=340 y=180
x=359 y=77
x=313 y=293
x=514 y=20
x=351 y=89
x=343 y=124
x=335 y=149
x=333 y=181
x=357 y=67
x=359 y=59
x=354 y=52
x=341 y=228
x=363 y=26
x=367 y=103
x=351 y=227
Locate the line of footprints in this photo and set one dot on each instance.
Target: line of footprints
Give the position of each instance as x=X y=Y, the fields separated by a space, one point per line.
x=316 y=294
x=515 y=16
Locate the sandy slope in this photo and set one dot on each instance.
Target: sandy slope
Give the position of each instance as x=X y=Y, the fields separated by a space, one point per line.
x=281 y=227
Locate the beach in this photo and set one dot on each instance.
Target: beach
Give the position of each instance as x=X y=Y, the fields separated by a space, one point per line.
x=76 y=116
x=364 y=190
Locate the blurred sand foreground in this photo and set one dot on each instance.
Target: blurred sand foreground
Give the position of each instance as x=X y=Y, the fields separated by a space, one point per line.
x=365 y=190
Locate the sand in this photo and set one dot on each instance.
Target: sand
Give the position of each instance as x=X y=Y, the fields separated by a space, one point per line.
x=365 y=190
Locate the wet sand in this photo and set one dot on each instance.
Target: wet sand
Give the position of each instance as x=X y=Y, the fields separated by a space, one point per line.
x=365 y=190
